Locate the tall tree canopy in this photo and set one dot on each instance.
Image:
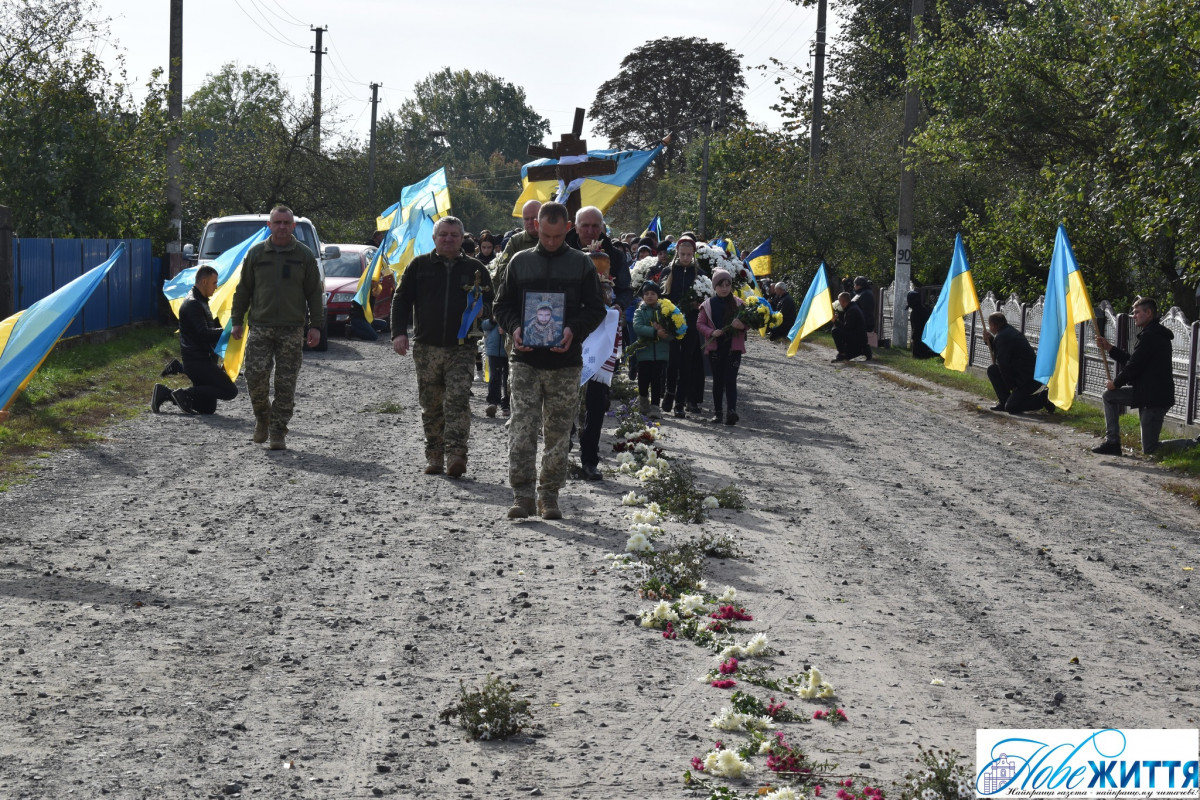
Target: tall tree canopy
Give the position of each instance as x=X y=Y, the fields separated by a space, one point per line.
x=81 y=158
x=670 y=85
x=478 y=113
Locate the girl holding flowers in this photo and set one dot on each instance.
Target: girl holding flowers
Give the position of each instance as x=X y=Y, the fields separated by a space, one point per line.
x=725 y=337
x=655 y=330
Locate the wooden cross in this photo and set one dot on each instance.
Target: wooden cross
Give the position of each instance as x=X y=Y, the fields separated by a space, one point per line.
x=569 y=145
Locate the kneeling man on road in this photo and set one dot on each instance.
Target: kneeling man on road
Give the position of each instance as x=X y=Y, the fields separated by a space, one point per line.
x=1012 y=374
x=433 y=295
x=1144 y=383
x=198 y=336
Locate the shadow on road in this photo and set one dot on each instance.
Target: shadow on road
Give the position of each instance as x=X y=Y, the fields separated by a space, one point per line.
x=19 y=580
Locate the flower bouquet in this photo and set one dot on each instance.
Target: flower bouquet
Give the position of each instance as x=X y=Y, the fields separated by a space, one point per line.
x=673 y=322
x=700 y=290
x=755 y=313
x=641 y=271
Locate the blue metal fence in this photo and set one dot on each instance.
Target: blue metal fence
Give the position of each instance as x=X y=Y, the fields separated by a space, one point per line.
x=129 y=294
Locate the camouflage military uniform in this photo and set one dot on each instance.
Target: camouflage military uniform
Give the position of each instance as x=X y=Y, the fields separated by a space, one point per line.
x=444 y=376
x=545 y=400
x=283 y=349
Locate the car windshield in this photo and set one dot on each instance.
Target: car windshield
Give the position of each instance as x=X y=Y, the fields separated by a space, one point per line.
x=349 y=265
x=220 y=236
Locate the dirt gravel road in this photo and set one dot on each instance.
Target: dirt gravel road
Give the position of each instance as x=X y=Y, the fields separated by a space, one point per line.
x=185 y=614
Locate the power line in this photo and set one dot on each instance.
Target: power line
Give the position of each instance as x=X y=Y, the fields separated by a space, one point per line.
x=283 y=41
x=285 y=11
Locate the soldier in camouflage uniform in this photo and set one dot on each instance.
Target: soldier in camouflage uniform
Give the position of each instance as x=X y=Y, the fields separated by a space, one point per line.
x=433 y=295
x=544 y=382
x=280 y=288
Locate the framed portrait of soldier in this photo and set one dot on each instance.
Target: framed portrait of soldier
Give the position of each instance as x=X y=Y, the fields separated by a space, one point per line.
x=542 y=315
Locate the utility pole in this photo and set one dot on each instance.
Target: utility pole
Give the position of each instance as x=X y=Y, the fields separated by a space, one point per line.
x=818 y=107
x=371 y=149
x=317 y=87
x=175 y=117
x=908 y=180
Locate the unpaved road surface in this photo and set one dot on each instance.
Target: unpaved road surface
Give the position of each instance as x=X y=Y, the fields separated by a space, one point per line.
x=186 y=614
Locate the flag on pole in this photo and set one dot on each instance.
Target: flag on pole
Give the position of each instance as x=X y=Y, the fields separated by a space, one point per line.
x=597 y=190
x=227 y=265
x=28 y=336
x=654 y=227
x=945 y=332
x=409 y=223
x=815 y=311
x=759 y=259
x=1067 y=305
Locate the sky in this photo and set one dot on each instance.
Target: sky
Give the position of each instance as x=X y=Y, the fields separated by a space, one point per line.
x=398 y=42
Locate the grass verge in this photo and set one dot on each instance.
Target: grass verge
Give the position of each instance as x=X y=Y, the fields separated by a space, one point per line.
x=1082 y=416
x=78 y=391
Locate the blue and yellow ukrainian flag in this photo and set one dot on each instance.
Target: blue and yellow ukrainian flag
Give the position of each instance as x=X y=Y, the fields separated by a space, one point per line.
x=815 y=311
x=945 y=332
x=28 y=336
x=1067 y=305
x=759 y=259
x=654 y=227
x=227 y=265
x=409 y=223
x=600 y=191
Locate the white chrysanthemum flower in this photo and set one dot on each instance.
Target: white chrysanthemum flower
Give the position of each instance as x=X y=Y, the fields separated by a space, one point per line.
x=702 y=585
x=638 y=543
x=641 y=447
x=626 y=468
x=726 y=764
x=625 y=457
x=643 y=516
x=727 y=596
x=758 y=643
x=783 y=793
x=728 y=720
x=711 y=502
x=764 y=747
x=655 y=433
x=937 y=682
x=654 y=508
x=691 y=604
x=664 y=612
x=646 y=473
x=647 y=620
x=759 y=724
x=632 y=499
x=733 y=651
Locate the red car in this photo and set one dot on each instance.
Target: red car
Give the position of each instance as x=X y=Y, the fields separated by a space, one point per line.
x=341 y=281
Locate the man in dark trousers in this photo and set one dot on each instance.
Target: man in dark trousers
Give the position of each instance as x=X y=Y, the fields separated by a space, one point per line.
x=1012 y=374
x=850 y=332
x=198 y=336
x=1144 y=383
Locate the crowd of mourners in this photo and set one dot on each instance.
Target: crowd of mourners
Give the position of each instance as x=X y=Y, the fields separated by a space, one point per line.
x=550 y=312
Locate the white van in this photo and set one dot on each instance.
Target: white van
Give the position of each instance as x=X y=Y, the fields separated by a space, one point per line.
x=222 y=233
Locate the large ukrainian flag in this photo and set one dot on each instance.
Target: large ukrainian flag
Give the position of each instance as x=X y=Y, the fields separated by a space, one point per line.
x=815 y=311
x=28 y=336
x=945 y=332
x=1067 y=305
x=600 y=191
x=227 y=266
x=409 y=224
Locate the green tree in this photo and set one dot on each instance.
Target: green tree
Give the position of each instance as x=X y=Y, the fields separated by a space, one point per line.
x=81 y=158
x=477 y=113
x=671 y=85
x=1081 y=113
x=248 y=146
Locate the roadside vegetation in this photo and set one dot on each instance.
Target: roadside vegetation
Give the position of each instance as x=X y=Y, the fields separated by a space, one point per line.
x=80 y=390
